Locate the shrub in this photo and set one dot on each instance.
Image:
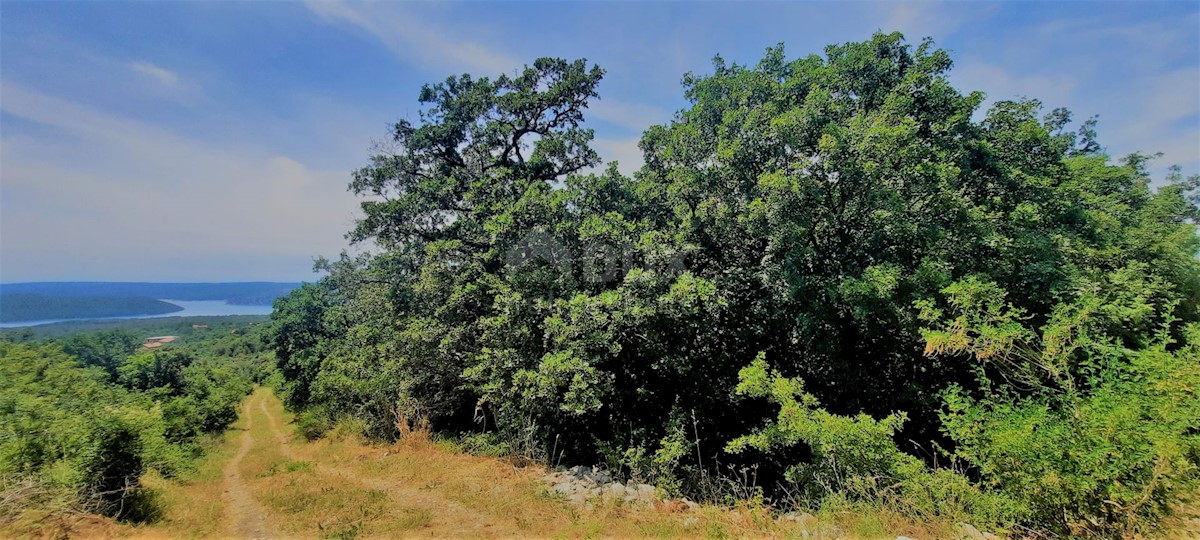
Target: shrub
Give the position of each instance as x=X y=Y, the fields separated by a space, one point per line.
x=854 y=457
x=313 y=423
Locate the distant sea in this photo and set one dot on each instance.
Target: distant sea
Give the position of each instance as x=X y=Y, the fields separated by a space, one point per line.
x=191 y=308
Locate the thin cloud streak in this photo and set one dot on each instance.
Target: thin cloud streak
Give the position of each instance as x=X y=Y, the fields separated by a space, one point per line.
x=164 y=76
x=413 y=39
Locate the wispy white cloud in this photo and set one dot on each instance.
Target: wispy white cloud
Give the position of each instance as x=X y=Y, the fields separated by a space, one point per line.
x=631 y=116
x=1000 y=83
x=1166 y=118
x=412 y=38
x=163 y=75
x=918 y=20
x=1139 y=76
x=139 y=196
x=625 y=152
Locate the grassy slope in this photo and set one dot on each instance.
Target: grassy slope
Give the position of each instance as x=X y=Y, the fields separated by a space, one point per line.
x=259 y=482
x=344 y=489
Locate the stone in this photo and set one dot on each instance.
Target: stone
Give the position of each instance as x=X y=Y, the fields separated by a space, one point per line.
x=691 y=522
x=803 y=519
x=903 y=538
x=968 y=531
x=579 y=471
x=565 y=488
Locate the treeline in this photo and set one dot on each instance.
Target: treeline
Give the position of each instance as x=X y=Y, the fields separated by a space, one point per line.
x=827 y=272
x=16 y=307
x=189 y=329
x=84 y=417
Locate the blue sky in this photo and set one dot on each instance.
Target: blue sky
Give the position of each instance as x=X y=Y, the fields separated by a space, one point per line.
x=212 y=141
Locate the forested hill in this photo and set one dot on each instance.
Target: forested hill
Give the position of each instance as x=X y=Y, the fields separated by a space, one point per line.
x=243 y=293
x=40 y=307
x=21 y=302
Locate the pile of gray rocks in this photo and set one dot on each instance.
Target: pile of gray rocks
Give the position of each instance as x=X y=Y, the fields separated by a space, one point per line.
x=587 y=485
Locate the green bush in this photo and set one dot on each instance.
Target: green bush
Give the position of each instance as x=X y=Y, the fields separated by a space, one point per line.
x=90 y=429
x=1098 y=437
x=855 y=457
x=313 y=423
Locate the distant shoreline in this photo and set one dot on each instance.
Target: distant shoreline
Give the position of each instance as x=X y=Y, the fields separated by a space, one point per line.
x=187 y=308
x=41 y=303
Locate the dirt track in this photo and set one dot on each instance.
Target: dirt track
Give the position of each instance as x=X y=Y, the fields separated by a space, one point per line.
x=246 y=519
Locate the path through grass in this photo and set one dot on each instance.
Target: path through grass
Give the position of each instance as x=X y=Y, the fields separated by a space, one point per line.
x=263 y=482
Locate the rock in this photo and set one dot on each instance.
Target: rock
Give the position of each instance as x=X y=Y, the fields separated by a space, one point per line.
x=579 y=471
x=968 y=531
x=691 y=505
x=564 y=488
x=645 y=492
x=903 y=538
x=803 y=519
x=691 y=522
x=602 y=477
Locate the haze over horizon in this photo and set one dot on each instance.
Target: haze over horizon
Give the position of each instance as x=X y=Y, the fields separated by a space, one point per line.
x=213 y=142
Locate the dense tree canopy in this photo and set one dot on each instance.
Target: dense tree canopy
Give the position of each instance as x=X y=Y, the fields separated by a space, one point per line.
x=817 y=251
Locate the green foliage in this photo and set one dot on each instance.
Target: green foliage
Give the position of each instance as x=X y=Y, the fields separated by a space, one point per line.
x=855 y=457
x=105 y=350
x=844 y=214
x=155 y=326
x=92 y=425
x=313 y=423
x=157 y=370
x=1099 y=437
x=69 y=426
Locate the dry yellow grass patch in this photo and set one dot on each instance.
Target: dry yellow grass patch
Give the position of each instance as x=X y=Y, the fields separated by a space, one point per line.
x=417 y=488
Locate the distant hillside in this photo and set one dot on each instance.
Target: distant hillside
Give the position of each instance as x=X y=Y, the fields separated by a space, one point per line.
x=255 y=293
x=38 y=307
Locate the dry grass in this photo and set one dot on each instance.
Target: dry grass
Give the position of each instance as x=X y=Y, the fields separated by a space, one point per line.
x=344 y=488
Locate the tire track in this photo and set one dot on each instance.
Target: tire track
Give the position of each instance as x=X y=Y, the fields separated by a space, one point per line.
x=245 y=517
x=444 y=510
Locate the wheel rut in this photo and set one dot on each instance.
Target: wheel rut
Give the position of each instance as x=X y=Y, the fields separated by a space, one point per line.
x=443 y=509
x=245 y=517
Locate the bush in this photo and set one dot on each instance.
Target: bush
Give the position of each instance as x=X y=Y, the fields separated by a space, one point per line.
x=89 y=433
x=313 y=423
x=1095 y=437
x=855 y=458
